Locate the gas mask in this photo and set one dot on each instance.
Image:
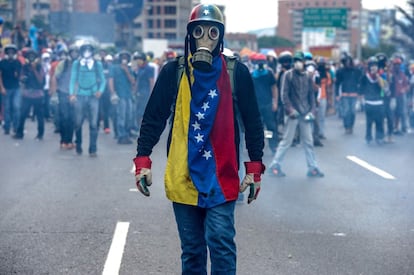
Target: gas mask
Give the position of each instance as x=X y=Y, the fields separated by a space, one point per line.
x=10 y=55
x=298 y=65
x=87 y=54
x=206 y=39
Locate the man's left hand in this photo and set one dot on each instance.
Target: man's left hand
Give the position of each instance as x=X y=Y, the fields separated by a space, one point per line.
x=98 y=94
x=254 y=169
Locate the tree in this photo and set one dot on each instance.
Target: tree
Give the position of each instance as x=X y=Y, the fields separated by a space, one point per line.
x=406 y=25
x=274 y=42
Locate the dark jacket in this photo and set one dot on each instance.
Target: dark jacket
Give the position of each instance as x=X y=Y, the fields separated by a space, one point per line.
x=162 y=100
x=371 y=89
x=298 y=92
x=347 y=80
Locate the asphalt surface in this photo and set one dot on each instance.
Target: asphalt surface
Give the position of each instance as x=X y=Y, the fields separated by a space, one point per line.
x=59 y=211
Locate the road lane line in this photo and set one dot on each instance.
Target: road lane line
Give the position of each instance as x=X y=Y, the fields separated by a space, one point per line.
x=371 y=168
x=113 y=261
x=133 y=190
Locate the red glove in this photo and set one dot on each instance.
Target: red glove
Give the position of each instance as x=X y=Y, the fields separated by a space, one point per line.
x=254 y=169
x=143 y=175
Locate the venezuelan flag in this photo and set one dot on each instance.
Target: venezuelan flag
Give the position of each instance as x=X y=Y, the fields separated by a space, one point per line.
x=202 y=166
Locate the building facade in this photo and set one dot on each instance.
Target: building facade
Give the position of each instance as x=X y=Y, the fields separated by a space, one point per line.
x=290 y=24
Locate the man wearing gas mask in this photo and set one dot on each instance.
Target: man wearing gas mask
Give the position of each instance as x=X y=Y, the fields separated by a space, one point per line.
x=33 y=80
x=201 y=177
x=298 y=97
x=87 y=82
x=10 y=69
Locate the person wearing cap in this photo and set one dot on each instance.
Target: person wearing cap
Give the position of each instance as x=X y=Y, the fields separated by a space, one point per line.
x=120 y=83
x=371 y=87
x=298 y=97
x=144 y=79
x=60 y=86
x=201 y=176
x=33 y=80
x=10 y=69
x=87 y=83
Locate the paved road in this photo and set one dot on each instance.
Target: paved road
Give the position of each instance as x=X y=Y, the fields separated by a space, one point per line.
x=60 y=213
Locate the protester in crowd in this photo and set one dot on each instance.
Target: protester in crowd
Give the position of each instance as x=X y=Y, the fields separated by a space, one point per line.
x=33 y=81
x=120 y=84
x=87 y=82
x=201 y=174
x=271 y=60
x=322 y=99
x=10 y=70
x=60 y=85
x=298 y=96
x=144 y=78
x=311 y=69
x=105 y=112
x=399 y=86
x=267 y=97
x=346 y=90
x=285 y=61
x=371 y=88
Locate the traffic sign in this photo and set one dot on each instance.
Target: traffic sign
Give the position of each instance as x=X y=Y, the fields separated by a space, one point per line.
x=325 y=18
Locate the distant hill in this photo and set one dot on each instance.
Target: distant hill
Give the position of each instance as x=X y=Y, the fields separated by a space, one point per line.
x=264 y=32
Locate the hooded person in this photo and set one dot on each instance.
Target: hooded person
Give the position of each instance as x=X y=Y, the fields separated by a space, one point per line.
x=201 y=176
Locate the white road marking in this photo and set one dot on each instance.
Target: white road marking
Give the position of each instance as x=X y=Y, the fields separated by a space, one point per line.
x=113 y=261
x=133 y=190
x=371 y=168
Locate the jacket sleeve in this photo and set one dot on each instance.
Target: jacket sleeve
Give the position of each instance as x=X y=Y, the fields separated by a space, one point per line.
x=158 y=109
x=285 y=87
x=338 y=82
x=102 y=78
x=249 y=112
x=73 y=77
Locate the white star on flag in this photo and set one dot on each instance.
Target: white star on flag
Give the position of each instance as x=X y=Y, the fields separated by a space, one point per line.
x=212 y=93
x=196 y=126
x=199 y=138
x=205 y=106
x=200 y=116
x=207 y=154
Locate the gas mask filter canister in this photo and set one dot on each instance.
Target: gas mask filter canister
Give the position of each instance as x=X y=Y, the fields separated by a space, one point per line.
x=206 y=39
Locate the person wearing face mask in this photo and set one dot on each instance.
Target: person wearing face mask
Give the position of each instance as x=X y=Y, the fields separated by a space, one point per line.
x=371 y=87
x=285 y=61
x=33 y=81
x=346 y=91
x=60 y=86
x=298 y=96
x=87 y=82
x=120 y=83
x=201 y=176
x=10 y=69
x=144 y=79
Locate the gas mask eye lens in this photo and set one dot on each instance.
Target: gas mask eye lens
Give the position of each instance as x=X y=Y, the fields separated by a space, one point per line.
x=198 y=32
x=213 y=33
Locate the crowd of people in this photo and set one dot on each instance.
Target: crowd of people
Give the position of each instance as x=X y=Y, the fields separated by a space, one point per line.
x=46 y=85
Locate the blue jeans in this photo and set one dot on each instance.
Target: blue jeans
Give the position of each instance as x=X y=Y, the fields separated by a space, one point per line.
x=348 y=104
x=86 y=107
x=305 y=137
x=200 y=228
x=66 y=118
x=123 y=117
x=37 y=105
x=12 y=102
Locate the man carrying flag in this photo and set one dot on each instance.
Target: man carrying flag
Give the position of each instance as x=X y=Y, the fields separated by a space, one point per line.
x=201 y=177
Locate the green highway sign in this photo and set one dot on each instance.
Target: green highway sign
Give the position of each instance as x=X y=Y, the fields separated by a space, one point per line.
x=325 y=18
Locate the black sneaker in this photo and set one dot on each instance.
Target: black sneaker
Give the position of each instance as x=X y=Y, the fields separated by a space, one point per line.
x=79 y=151
x=315 y=173
x=93 y=155
x=16 y=136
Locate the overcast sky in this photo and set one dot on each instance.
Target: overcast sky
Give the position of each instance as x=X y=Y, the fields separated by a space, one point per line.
x=242 y=17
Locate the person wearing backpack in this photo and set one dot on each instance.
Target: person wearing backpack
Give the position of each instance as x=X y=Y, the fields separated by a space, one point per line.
x=87 y=82
x=201 y=176
x=60 y=86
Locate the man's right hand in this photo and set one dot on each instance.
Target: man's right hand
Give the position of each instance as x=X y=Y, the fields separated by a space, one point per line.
x=143 y=175
x=114 y=98
x=72 y=98
x=294 y=114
